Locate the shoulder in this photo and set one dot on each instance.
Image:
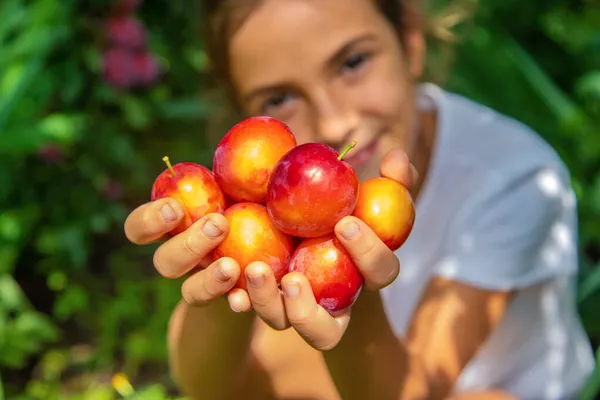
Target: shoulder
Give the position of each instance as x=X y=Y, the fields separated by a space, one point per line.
x=497 y=157
x=515 y=222
x=492 y=141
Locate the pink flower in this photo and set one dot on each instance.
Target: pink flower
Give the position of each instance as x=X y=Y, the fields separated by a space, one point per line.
x=125 y=69
x=117 y=67
x=126 y=32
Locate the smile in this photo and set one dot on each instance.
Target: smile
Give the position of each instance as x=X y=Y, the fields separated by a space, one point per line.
x=358 y=157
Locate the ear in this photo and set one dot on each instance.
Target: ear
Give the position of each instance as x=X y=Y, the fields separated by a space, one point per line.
x=413 y=38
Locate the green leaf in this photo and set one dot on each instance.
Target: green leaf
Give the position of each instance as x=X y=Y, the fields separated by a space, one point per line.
x=73 y=300
x=10 y=228
x=557 y=101
x=136 y=112
x=25 y=335
x=8 y=257
x=99 y=393
x=18 y=83
x=197 y=58
x=153 y=392
x=62 y=128
x=11 y=296
x=590 y=284
x=136 y=345
x=71 y=239
x=57 y=280
x=19 y=140
x=588 y=86
x=32 y=324
x=16 y=224
x=48 y=241
x=18 y=14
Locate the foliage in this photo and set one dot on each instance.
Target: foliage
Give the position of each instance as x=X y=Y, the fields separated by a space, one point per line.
x=77 y=302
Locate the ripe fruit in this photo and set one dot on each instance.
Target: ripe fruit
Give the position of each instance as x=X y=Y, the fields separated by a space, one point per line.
x=333 y=277
x=245 y=157
x=253 y=237
x=386 y=206
x=194 y=187
x=311 y=189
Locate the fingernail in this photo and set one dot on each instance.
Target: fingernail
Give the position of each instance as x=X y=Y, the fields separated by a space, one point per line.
x=256 y=280
x=349 y=230
x=220 y=274
x=168 y=213
x=211 y=230
x=292 y=289
x=233 y=308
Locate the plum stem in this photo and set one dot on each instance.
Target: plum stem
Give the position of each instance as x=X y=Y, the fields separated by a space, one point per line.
x=347 y=149
x=166 y=160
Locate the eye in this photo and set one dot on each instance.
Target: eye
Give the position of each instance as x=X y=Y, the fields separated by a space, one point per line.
x=354 y=62
x=276 y=101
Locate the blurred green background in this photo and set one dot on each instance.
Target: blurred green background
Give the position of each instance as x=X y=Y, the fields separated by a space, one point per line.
x=81 y=145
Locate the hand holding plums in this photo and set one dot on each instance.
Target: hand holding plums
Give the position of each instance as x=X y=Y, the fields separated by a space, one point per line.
x=284 y=229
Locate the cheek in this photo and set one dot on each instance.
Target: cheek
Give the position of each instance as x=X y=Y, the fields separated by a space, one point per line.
x=300 y=124
x=386 y=96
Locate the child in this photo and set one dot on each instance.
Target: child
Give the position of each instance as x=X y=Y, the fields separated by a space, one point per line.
x=483 y=307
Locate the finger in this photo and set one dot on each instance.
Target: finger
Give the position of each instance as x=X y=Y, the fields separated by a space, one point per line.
x=205 y=262
x=396 y=165
x=183 y=252
x=265 y=295
x=150 y=221
x=239 y=301
x=211 y=283
x=309 y=319
x=376 y=262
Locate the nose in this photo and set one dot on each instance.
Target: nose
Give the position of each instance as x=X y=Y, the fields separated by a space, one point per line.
x=337 y=121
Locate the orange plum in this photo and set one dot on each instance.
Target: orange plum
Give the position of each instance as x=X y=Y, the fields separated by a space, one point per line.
x=194 y=186
x=245 y=157
x=386 y=206
x=253 y=237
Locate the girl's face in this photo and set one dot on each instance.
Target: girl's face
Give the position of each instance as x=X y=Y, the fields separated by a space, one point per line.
x=334 y=71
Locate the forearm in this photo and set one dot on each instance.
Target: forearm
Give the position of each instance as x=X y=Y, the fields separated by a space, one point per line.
x=371 y=363
x=208 y=349
x=488 y=395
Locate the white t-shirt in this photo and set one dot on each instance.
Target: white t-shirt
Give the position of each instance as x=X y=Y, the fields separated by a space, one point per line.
x=497 y=211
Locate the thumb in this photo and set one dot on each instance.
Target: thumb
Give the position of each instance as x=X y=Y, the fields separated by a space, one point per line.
x=396 y=165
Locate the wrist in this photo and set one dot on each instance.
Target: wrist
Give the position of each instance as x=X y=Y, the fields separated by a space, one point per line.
x=370 y=361
x=368 y=316
x=216 y=322
x=208 y=343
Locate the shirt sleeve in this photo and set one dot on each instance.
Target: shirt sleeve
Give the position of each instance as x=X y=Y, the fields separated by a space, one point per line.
x=515 y=234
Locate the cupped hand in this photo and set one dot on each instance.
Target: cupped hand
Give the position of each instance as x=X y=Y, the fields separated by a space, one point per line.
x=297 y=306
x=188 y=253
